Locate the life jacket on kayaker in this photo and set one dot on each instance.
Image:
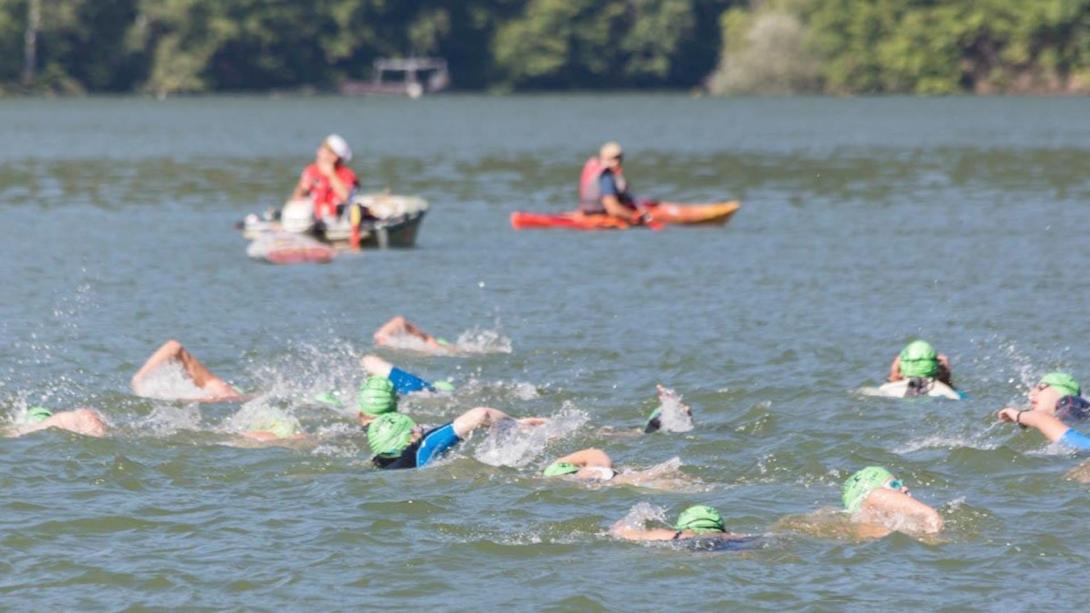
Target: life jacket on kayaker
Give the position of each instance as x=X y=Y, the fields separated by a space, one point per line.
x=324 y=196
x=590 y=189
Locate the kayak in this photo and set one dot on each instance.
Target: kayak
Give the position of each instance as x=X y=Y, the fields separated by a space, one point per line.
x=289 y=248
x=659 y=213
x=390 y=221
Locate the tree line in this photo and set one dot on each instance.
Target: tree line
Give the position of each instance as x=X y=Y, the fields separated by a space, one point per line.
x=724 y=46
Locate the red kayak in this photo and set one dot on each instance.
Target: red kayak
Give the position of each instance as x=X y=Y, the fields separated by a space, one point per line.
x=659 y=213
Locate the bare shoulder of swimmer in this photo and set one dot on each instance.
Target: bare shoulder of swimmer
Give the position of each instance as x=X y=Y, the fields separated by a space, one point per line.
x=81 y=421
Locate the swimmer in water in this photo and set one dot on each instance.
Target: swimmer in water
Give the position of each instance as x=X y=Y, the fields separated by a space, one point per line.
x=696 y=522
x=83 y=421
x=398 y=329
x=404 y=382
x=595 y=466
x=922 y=371
x=377 y=396
x=880 y=503
x=398 y=442
x=1055 y=399
x=669 y=400
x=171 y=352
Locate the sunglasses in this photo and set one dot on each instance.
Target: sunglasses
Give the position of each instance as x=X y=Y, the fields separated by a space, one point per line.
x=1040 y=386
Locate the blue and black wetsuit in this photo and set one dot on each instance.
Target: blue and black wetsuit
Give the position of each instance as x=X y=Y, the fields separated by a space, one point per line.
x=433 y=444
x=1075 y=439
x=407 y=383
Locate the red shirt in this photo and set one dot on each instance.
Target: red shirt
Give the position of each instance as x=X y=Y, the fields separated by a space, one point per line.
x=318 y=187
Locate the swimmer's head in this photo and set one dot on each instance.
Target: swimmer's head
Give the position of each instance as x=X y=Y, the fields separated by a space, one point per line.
x=700 y=519
x=376 y=396
x=654 y=421
x=38 y=414
x=918 y=359
x=557 y=469
x=1063 y=383
x=861 y=484
x=389 y=434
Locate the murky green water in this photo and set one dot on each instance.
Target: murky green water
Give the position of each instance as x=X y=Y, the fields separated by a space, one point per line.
x=866 y=222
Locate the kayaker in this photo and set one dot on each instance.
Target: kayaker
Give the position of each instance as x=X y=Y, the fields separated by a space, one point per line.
x=397 y=442
x=153 y=379
x=1054 y=400
x=83 y=421
x=877 y=499
x=921 y=372
x=328 y=182
x=401 y=333
x=603 y=189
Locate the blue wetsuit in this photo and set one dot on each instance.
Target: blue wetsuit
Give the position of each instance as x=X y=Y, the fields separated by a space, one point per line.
x=1075 y=439
x=433 y=444
x=407 y=383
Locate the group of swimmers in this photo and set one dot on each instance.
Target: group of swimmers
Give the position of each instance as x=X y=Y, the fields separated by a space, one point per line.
x=876 y=500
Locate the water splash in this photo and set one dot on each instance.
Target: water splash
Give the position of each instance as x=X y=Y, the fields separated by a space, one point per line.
x=258 y=415
x=640 y=514
x=507 y=444
x=165 y=420
x=169 y=382
x=674 y=415
x=482 y=340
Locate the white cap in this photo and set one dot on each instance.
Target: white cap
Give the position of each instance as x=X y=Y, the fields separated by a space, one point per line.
x=610 y=150
x=339 y=146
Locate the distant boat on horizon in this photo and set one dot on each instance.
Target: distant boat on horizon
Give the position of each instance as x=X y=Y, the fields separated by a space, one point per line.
x=412 y=77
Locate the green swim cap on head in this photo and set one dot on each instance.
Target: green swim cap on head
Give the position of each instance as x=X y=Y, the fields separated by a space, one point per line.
x=443 y=386
x=918 y=359
x=390 y=433
x=700 y=519
x=281 y=427
x=38 y=414
x=1063 y=383
x=376 y=396
x=329 y=398
x=557 y=469
x=860 y=484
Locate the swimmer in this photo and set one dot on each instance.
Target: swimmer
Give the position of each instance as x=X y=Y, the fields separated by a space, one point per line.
x=1055 y=399
x=212 y=388
x=376 y=396
x=83 y=421
x=595 y=466
x=676 y=412
x=881 y=503
x=399 y=329
x=696 y=522
x=919 y=371
x=274 y=430
x=404 y=382
x=398 y=442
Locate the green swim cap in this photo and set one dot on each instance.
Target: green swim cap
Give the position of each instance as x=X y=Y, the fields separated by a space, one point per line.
x=860 y=484
x=376 y=396
x=38 y=414
x=1063 y=382
x=700 y=519
x=281 y=427
x=390 y=433
x=918 y=359
x=557 y=469
x=443 y=386
x=650 y=418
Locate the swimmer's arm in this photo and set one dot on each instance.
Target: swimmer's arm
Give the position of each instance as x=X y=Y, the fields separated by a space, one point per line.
x=479 y=417
x=895 y=370
x=1052 y=428
x=588 y=457
x=620 y=530
x=890 y=502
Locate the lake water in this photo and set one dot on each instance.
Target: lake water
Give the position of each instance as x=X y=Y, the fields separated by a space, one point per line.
x=865 y=223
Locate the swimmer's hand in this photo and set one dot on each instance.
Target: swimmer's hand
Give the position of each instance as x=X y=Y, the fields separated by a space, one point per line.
x=532 y=421
x=1013 y=416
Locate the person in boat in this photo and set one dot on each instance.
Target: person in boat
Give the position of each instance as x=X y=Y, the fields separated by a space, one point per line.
x=397 y=442
x=87 y=422
x=398 y=329
x=1056 y=399
x=209 y=387
x=874 y=497
x=603 y=189
x=920 y=371
x=696 y=522
x=328 y=182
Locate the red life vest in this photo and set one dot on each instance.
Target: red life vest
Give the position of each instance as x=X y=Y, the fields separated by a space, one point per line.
x=319 y=189
x=590 y=196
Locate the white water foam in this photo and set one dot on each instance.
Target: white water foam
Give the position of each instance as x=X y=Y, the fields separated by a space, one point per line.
x=640 y=514
x=675 y=416
x=169 y=382
x=507 y=444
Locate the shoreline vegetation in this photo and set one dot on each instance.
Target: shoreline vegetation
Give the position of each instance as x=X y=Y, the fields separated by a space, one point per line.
x=718 y=47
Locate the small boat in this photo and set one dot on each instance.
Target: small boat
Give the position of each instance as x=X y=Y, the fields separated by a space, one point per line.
x=658 y=213
x=385 y=221
x=410 y=82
